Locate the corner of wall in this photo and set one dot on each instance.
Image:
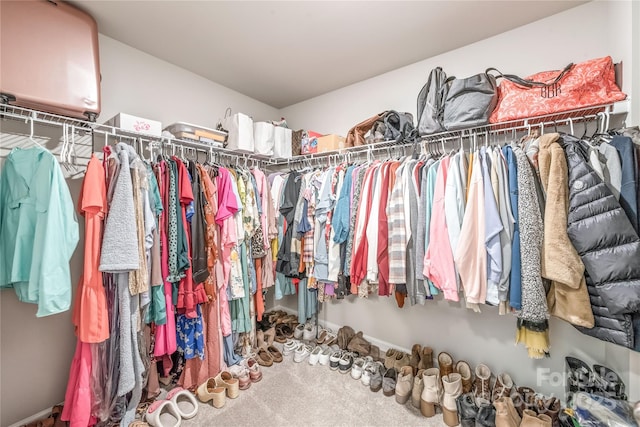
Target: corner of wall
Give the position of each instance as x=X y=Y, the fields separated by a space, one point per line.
x=635 y=63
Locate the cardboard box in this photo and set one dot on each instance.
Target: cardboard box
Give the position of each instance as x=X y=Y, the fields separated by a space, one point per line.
x=136 y=124
x=330 y=143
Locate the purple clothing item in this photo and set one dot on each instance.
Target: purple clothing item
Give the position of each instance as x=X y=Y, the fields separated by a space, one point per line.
x=329 y=289
x=354 y=176
x=493 y=227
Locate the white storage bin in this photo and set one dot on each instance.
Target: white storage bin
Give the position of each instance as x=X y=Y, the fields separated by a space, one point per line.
x=282 y=146
x=264 y=135
x=240 y=129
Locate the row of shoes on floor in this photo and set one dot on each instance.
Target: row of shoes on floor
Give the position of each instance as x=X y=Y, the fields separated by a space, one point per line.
x=483 y=401
x=181 y=404
x=286 y=328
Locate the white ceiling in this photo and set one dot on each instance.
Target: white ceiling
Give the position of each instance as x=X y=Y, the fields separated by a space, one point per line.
x=284 y=52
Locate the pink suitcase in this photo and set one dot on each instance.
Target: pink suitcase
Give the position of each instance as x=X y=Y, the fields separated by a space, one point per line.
x=50 y=59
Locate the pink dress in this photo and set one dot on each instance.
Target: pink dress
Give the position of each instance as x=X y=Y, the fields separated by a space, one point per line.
x=90 y=311
x=165 y=336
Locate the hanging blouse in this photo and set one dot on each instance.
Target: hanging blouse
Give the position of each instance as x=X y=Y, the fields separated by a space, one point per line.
x=38 y=230
x=471 y=254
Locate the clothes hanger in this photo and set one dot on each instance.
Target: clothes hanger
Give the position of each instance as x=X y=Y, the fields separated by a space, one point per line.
x=31 y=131
x=72 y=158
x=600 y=134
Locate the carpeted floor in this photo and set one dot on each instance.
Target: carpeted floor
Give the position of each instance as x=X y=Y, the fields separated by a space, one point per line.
x=298 y=394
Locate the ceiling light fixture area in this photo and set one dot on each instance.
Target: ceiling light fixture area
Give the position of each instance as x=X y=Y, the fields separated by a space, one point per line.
x=285 y=52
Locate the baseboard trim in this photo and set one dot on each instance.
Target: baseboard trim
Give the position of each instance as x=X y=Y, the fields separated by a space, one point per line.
x=383 y=345
x=34 y=417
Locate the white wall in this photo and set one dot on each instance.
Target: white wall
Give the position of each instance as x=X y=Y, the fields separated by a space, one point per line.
x=137 y=83
x=588 y=31
x=36 y=353
x=592 y=30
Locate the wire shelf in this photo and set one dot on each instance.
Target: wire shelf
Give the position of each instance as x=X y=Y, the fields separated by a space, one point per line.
x=544 y=122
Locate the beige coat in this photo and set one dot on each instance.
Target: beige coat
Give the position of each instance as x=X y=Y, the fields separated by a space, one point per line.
x=568 y=297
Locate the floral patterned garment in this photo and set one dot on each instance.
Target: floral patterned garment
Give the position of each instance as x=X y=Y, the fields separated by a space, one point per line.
x=190 y=337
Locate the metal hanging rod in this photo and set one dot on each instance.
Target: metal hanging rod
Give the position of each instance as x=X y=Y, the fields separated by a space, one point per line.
x=541 y=122
x=107 y=132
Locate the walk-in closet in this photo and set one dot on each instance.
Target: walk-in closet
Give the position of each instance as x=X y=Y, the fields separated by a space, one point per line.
x=389 y=213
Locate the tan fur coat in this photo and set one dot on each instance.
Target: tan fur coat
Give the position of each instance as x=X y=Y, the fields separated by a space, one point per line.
x=568 y=297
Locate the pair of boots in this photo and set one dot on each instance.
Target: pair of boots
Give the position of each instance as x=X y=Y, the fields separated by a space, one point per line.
x=485 y=392
x=440 y=391
x=475 y=415
x=525 y=399
x=446 y=366
x=421 y=358
x=502 y=414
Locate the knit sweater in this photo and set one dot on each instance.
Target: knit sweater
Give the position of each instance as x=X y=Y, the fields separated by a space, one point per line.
x=120 y=240
x=534 y=303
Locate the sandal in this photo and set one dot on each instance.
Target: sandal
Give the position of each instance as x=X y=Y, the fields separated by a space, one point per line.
x=275 y=353
x=323 y=336
x=264 y=357
x=184 y=401
x=283 y=333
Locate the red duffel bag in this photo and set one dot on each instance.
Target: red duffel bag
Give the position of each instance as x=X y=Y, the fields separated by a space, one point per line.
x=577 y=86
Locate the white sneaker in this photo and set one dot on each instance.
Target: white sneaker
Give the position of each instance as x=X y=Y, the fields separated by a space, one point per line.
x=367 y=372
x=324 y=356
x=346 y=362
x=334 y=360
x=314 y=357
x=357 y=368
x=302 y=352
x=298 y=331
x=309 y=332
x=290 y=346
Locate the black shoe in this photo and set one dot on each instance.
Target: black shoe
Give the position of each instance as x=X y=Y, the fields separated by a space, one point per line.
x=486 y=416
x=608 y=384
x=579 y=378
x=467 y=410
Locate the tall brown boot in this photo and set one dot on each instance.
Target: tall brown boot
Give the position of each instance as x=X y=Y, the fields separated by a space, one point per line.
x=426 y=358
x=445 y=363
x=530 y=419
x=506 y=414
x=464 y=370
x=483 y=385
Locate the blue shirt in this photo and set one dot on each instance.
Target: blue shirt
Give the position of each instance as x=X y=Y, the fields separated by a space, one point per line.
x=342 y=212
x=515 y=283
x=493 y=227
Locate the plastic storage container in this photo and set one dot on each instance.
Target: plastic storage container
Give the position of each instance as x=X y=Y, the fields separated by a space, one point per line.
x=182 y=130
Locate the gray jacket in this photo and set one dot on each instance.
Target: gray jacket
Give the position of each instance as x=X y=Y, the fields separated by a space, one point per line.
x=608 y=245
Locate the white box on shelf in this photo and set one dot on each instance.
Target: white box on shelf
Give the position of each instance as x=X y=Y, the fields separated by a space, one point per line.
x=136 y=124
